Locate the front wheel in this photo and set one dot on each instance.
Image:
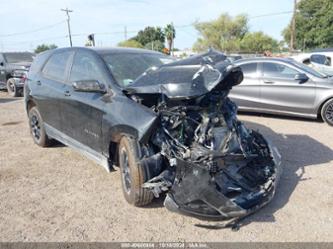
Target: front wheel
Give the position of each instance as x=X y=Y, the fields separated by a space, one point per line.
x=132 y=174
x=12 y=89
x=37 y=129
x=327 y=112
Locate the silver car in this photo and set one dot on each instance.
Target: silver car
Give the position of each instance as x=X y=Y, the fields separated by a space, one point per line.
x=284 y=86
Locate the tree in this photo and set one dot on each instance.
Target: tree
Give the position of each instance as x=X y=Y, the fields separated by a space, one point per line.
x=155 y=45
x=149 y=34
x=314 y=25
x=130 y=44
x=44 y=47
x=224 y=33
x=258 y=42
x=170 y=34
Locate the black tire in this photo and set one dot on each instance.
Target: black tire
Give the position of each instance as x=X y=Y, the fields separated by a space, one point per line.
x=37 y=129
x=327 y=112
x=132 y=175
x=12 y=89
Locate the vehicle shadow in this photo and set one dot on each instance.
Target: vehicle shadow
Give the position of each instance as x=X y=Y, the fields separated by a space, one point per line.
x=298 y=152
x=6 y=100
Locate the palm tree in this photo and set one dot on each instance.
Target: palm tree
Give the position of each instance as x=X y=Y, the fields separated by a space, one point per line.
x=170 y=34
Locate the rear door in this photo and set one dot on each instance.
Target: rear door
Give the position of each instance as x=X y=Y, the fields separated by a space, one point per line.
x=247 y=94
x=281 y=92
x=83 y=111
x=47 y=87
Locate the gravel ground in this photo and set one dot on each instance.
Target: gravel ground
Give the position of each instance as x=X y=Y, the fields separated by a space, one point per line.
x=55 y=194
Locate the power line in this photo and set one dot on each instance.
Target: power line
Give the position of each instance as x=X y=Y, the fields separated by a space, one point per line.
x=33 y=31
x=272 y=14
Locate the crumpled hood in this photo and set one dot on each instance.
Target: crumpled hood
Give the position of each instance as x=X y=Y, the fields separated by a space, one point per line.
x=191 y=77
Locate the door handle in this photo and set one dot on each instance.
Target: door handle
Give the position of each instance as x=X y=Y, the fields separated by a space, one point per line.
x=67 y=93
x=268 y=82
x=39 y=83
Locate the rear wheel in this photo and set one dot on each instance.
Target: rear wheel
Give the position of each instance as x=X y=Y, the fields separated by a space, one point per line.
x=12 y=89
x=132 y=174
x=37 y=128
x=327 y=112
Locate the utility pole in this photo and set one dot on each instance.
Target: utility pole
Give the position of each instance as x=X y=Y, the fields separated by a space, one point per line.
x=293 y=28
x=68 y=25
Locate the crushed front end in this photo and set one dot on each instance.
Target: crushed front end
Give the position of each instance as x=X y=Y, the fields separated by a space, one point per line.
x=206 y=161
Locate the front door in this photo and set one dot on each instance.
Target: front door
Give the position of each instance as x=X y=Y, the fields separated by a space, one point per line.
x=280 y=91
x=83 y=111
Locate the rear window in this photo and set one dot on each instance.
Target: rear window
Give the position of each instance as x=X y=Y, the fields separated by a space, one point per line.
x=57 y=66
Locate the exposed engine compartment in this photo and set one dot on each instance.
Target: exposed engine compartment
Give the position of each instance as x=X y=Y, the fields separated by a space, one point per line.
x=209 y=164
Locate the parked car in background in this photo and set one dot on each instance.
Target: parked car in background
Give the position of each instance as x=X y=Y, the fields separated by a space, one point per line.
x=284 y=86
x=319 y=62
x=234 y=57
x=13 y=69
x=169 y=125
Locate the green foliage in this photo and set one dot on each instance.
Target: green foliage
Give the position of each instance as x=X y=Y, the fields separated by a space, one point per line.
x=150 y=34
x=258 y=42
x=170 y=34
x=224 y=33
x=314 y=25
x=232 y=35
x=44 y=47
x=155 y=45
x=130 y=44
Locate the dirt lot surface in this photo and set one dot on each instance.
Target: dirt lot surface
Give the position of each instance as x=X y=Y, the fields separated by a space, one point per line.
x=55 y=194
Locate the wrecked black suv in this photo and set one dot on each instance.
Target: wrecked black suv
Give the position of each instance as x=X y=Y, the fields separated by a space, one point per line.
x=169 y=125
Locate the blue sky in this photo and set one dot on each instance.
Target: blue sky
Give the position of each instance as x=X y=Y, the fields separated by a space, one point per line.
x=108 y=18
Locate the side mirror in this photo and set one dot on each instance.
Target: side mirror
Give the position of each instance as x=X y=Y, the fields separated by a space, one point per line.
x=301 y=77
x=89 y=86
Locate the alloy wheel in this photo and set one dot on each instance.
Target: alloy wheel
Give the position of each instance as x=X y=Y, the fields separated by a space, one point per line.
x=125 y=171
x=329 y=113
x=35 y=127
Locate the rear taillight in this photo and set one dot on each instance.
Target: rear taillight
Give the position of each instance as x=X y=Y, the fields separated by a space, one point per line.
x=24 y=78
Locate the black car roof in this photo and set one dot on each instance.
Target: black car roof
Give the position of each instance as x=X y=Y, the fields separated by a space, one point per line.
x=113 y=50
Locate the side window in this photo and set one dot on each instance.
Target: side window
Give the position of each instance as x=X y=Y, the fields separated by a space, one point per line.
x=249 y=69
x=276 y=70
x=38 y=62
x=56 y=67
x=85 y=67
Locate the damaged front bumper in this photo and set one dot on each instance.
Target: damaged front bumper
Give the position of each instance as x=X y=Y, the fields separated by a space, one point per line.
x=196 y=193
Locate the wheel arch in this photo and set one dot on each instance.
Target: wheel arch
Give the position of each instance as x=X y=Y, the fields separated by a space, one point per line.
x=29 y=104
x=322 y=104
x=114 y=136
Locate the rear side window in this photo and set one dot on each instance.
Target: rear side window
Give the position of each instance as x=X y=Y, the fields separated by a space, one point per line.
x=277 y=70
x=249 y=69
x=56 y=67
x=39 y=62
